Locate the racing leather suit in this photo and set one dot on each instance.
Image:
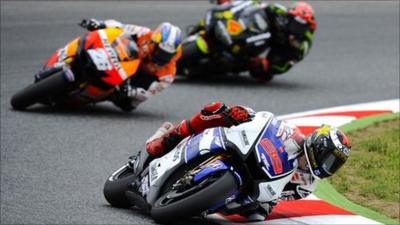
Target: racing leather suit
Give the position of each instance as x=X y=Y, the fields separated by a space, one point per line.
x=149 y=79
x=299 y=184
x=281 y=53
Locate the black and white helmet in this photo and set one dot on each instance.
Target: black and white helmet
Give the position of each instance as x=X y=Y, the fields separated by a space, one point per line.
x=326 y=150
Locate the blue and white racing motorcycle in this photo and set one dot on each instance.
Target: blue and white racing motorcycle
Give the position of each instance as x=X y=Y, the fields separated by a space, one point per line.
x=207 y=173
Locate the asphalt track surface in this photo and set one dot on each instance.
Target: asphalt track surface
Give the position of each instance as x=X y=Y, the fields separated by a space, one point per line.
x=54 y=163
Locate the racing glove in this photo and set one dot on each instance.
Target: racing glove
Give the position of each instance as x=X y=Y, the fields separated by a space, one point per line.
x=92 y=24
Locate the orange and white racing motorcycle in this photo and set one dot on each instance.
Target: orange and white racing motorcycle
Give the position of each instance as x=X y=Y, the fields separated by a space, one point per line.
x=86 y=70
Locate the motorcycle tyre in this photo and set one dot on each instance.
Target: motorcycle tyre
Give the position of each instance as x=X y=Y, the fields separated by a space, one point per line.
x=195 y=203
x=114 y=189
x=189 y=60
x=36 y=92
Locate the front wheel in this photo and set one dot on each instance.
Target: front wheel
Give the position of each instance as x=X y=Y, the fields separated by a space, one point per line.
x=176 y=204
x=191 y=56
x=117 y=185
x=36 y=92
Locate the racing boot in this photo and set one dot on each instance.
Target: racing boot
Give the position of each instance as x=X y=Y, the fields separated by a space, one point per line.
x=142 y=159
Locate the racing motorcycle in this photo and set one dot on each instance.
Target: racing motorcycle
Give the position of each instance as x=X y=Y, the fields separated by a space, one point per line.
x=86 y=70
x=230 y=35
x=206 y=172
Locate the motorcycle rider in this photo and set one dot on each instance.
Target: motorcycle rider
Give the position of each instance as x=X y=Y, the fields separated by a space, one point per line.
x=158 y=50
x=291 y=31
x=318 y=155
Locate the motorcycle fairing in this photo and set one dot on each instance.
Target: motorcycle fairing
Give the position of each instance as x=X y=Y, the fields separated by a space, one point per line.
x=246 y=139
x=160 y=170
x=98 y=45
x=210 y=140
x=271 y=190
x=244 y=136
x=163 y=165
x=65 y=54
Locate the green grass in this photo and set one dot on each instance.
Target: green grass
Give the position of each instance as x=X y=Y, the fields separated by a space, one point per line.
x=371 y=176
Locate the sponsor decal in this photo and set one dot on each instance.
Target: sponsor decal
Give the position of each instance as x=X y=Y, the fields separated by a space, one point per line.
x=153 y=172
x=112 y=54
x=271 y=190
x=211 y=117
x=204 y=151
x=265 y=161
x=225 y=14
x=215 y=165
x=176 y=155
x=323 y=131
x=266 y=192
x=229 y=199
x=244 y=137
x=100 y=59
x=270 y=149
x=233 y=27
x=144 y=188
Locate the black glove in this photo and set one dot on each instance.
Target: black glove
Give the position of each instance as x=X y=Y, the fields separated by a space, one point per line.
x=92 y=24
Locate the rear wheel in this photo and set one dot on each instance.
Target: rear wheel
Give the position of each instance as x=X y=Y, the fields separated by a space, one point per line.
x=36 y=92
x=194 y=200
x=117 y=185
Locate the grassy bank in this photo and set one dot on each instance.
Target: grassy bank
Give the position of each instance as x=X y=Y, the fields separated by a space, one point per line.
x=371 y=176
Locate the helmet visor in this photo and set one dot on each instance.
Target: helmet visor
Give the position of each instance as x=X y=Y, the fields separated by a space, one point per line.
x=161 y=56
x=297 y=26
x=329 y=164
x=323 y=161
